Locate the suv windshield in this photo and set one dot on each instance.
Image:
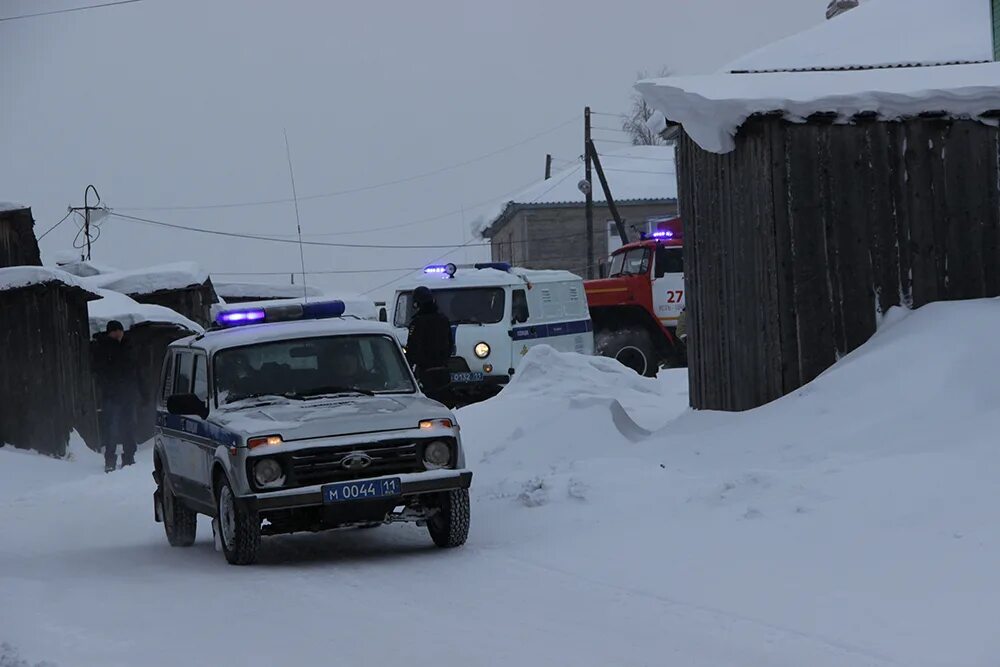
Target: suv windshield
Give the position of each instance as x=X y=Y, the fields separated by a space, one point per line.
x=630 y=263
x=309 y=367
x=465 y=305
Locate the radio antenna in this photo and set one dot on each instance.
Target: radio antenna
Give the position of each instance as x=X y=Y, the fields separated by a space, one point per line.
x=298 y=222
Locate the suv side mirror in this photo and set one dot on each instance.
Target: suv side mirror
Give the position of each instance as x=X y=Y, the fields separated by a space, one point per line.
x=187 y=405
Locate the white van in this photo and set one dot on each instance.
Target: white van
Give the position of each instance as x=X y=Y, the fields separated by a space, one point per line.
x=497 y=314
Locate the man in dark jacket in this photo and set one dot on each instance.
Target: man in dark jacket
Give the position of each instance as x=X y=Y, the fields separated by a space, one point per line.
x=119 y=387
x=428 y=346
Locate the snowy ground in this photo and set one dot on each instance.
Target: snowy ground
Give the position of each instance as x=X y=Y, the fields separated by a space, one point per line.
x=853 y=523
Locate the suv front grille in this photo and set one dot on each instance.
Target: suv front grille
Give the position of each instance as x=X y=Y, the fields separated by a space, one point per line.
x=324 y=465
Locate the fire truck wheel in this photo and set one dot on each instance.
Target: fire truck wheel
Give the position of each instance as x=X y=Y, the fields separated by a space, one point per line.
x=633 y=348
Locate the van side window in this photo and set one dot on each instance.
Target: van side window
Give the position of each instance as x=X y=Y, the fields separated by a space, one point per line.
x=168 y=378
x=519 y=306
x=200 y=378
x=669 y=260
x=183 y=364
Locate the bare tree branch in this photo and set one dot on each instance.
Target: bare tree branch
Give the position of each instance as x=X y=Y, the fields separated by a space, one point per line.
x=634 y=121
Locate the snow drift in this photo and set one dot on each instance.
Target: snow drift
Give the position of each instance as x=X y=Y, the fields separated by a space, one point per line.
x=852 y=523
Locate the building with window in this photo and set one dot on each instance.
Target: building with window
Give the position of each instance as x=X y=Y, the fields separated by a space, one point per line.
x=545 y=225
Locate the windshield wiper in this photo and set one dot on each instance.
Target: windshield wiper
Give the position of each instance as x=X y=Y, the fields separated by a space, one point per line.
x=329 y=390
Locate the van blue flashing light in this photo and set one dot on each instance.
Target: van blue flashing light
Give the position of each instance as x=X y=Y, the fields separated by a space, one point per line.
x=441 y=270
x=316 y=310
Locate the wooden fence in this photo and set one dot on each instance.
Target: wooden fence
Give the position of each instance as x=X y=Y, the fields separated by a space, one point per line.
x=799 y=240
x=45 y=389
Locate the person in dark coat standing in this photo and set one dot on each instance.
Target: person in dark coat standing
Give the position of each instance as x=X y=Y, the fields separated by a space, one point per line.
x=429 y=344
x=120 y=388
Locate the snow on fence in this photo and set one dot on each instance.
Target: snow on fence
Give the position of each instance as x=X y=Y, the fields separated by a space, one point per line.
x=798 y=240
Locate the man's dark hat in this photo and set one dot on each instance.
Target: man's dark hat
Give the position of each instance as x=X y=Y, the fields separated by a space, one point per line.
x=114 y=325
x=422 y=296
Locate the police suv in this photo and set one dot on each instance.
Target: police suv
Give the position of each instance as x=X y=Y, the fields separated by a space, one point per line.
x=294 y=418
x=497 y=314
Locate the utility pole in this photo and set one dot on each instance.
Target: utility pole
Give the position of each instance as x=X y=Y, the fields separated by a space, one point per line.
x=548 y=166
x=588 y=193
x=87 y=208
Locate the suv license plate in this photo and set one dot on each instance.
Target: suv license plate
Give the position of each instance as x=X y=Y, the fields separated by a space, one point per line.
x=361 y=490
x=464 y=378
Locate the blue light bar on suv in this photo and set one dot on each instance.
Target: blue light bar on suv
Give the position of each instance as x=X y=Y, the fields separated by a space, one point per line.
x=315 y=310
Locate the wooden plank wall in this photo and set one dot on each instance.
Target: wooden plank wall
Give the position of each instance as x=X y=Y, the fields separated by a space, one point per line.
x=18 y=246
x=803 y=237
x=45 y=385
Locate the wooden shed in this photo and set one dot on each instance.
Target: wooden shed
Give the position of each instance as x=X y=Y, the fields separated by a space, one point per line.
x=817 y=198
x=18 y=246
x=182 y=287
x=45 y=390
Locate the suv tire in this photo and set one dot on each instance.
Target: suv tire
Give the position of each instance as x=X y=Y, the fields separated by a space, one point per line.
x=179 y=522
x=449 y=527
x=240 y=527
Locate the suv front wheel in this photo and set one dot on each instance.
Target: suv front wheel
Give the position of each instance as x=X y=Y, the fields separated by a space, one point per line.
x=240 y=527
x=449 y=526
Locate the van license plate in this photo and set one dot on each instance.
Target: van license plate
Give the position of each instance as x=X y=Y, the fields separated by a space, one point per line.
x=465 y=378
x=361 y=490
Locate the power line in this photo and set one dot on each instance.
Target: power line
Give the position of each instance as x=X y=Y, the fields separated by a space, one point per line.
x=642 y=171
x=365 y=188
x=311 y=273
x=274 y=239
x=65 y=217
x=70 y=9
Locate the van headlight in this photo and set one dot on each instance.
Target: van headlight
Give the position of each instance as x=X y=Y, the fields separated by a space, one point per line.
x=268 y=473
x=482 y=350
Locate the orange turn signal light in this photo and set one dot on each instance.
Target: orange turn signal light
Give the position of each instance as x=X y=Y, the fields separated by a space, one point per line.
x=262 y=440
x=431 y=423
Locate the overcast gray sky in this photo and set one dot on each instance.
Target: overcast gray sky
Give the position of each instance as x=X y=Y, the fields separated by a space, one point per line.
x=166 y=103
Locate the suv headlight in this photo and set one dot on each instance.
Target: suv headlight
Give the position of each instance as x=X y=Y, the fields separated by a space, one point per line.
x=268 y=473
x=482 y=350
x=437 y=454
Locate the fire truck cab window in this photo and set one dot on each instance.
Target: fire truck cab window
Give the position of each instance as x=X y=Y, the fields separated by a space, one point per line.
x=669 y=260
x=632 y=262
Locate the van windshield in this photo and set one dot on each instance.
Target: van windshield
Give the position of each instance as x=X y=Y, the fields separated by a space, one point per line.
x=461 y=305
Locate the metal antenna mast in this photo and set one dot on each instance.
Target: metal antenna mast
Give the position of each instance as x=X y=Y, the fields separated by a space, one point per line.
x=298 y=223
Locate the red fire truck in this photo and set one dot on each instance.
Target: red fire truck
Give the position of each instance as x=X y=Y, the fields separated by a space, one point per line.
x=636 y=308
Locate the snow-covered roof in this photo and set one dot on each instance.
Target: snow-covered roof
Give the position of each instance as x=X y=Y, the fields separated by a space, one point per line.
x=470 y=277
x=179 y=275
x=712 y=108
x=17 y=277
x=883 y=32
x=635 y=174
x=355 y=305
x=236 y=290
x=882 y=57
x=116 y=306
x=263 y=333
x=82 y=268
x=11 y=206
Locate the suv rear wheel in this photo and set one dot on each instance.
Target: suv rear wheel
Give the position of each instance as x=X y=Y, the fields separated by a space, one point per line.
x=449 y=527
x=240 y=528
x=179 y=523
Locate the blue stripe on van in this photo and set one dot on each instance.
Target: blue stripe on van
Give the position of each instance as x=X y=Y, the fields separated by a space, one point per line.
x=549 y=330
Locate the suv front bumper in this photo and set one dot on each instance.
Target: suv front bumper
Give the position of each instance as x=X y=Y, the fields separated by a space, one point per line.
x=411 y=484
